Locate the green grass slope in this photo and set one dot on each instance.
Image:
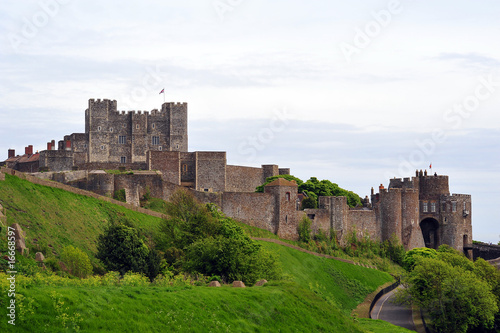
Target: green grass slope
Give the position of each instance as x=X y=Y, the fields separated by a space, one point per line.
x=317 y=294
x=283 y=307
x=55 y=218
x=339 y=283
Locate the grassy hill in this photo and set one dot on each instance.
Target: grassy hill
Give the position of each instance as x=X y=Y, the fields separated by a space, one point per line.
x=316 y=294
x=53 y=218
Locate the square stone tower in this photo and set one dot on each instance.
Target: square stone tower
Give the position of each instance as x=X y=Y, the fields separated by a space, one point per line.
x=125 y=137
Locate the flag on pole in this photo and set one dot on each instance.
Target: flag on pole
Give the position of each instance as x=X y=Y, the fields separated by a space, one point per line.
x=430 y=166
x=162 y=91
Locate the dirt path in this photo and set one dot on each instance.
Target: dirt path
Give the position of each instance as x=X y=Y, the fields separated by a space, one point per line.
x=276 y=241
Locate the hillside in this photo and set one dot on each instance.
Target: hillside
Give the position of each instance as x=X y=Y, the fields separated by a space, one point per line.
x=316 y=294
x=53 y=218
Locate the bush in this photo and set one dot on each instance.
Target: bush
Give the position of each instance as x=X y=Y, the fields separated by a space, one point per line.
x=120 y=195
x=76 y=261
x=53 y=264
x=232 y=259
x=121 y=249
x=199 y=239
x=134 y=280
x=304 y=230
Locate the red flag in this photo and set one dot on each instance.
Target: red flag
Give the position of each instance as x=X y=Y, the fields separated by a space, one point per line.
x=430 y=166
x=162 y=91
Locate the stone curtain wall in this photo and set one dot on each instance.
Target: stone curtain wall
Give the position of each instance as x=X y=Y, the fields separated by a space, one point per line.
x=365 y=224
x=243 y=179
x=211 y=171
x=255 y=209
x=168 y=162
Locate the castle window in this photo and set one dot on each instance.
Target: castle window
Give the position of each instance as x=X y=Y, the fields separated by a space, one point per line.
x=153 y=126
x=454 y=206
x=111 y=129
x=160 y=148
x=122 y=139
x=99 y=128
x=123 y=160
x=177 y=146
x=184 y=168
x=425 y=207
x=433 y=207
x=287 y=196
x=156 y=140
x=311 y=216
x=137 y=126
x=102 y=147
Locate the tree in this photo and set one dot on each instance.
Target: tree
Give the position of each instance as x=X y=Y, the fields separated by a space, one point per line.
x=325 y=188
x=200 y=239
x=232 y=259
x=411 y=256
x=121 y=249
x=76 y=261
x=318 y=188
x=311 y=201
x=187 y=221
x=455 y=299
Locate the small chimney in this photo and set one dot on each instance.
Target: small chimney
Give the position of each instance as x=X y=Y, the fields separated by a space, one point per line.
x=28 y=150
x=68 y=145
x=381 y=187
x=53 y=144
x=12 y=153
x=49 y=146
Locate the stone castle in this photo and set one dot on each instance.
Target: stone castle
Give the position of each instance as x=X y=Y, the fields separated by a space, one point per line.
x=419 y=211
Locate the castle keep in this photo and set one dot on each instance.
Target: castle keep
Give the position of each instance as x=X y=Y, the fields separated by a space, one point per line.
x=114 y=138
x=419 y=211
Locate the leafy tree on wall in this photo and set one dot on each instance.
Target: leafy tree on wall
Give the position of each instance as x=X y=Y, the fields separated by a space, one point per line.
x=315 y=188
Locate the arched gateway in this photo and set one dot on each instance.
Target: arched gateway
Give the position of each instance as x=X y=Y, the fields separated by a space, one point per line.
x=429 y=227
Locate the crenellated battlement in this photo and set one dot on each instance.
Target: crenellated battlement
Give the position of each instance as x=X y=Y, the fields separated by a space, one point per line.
x=455 y=195
x=402 y=183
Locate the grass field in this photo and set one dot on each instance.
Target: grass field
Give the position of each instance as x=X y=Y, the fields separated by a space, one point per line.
x=53 y=218
x=316 y=294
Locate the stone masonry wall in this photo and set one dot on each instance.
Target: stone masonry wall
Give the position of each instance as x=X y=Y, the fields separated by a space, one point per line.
x=255 y=209
x=168 y=162
x=243 y=179
x=211 y=171
x=56 y=160
x=365 y=223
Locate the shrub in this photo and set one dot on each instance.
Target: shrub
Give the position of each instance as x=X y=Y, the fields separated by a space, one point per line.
x=121 y=249
x=53 y=264
x=304 y=229
x=77 y=261
x=134 y=280
x=120 y=195
x=321 y=236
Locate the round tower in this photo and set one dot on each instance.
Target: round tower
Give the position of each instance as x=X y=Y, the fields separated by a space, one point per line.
x=390 y=212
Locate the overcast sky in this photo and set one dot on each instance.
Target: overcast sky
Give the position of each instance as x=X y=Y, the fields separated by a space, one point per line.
x=355 y=92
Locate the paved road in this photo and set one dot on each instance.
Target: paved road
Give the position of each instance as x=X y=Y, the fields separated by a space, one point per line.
x=386 y=309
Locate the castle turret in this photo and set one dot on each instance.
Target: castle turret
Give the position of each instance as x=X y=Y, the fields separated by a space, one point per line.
x=285 y=214
x=390 y=212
